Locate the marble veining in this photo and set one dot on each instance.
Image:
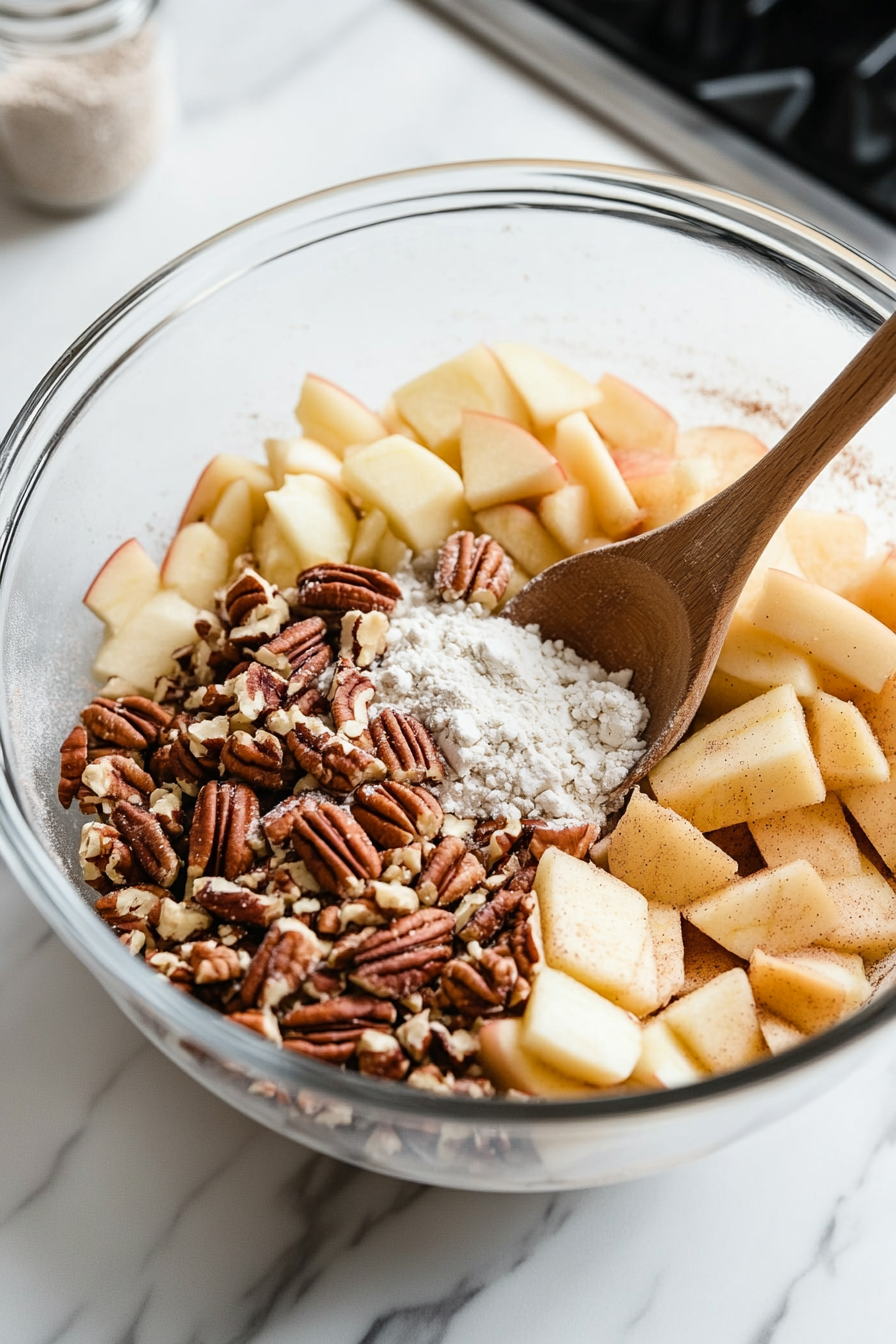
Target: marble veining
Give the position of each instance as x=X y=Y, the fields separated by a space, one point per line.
x=135 y=1208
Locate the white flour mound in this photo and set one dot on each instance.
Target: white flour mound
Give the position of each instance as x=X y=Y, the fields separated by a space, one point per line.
x=527 y=727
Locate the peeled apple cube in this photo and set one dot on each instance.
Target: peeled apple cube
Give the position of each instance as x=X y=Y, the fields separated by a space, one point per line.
x=333 y=417
x=522 y=536
x=140 y=651
x=664 y=488
x=509 y=1064
x=866 y=909
x=315 y=520
x=820 y=834
x=830 y=547
x=233 y=517
x=781 y=909
x=502 y=462
x=778 y=1034
x=846 y=749
x=586 y=458
x=474 y=381
x=827 y=627
x=664 y=923
x=577 y=1032
x=197 y=564
x=124 y=584
x=879 y=711
x=627 y=418
x=664 y=1060
x=778 y=554
x=874 y=807
x=663 y=856
x=276 y=561
x=764 y=661
x=754 y=761
x=568 y=516
x=421 y=496
x=718 y=1024
x=726 y=451
x=812 y=989
x=297 y=457
x=549 y=388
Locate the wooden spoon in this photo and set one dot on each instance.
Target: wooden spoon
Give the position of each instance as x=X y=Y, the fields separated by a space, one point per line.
x=661 y=603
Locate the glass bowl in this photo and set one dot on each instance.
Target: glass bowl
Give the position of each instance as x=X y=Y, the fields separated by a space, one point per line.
x=721 y=308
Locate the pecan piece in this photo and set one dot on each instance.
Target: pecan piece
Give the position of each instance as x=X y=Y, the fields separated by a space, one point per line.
x=257 y=691
x=259 y=760
x=363 y=636
x=351 y=692
x=238 y=905
x=106 y=861
x=299 y=653
x=576 y=839
x=394 y=962
x=341 y=588
x=245 y=595
x=473 y=569
x=72 y=764
x=450 y=873
x=406 y=748
x=380 y=1055
x=288 y=952
x=333 y=761
x=330 y=1030
x=260 y=1020
x=148 y=842
x=118 y=777
x=490 y=919
x=335 y=849
x=219 y=836
x=394 y=814
x=277 y=824
x=132 y=908
x=214 y=964
x=479 y=991
x=131 y=721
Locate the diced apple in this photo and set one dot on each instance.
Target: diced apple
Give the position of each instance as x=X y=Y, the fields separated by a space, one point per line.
x=214 y=480
x=827 y=627
x=753 y=761
x=522 y=536
x=197 y=564
x=718 y=1024
x=778 y=1034
x=232 y=517
x=722 y=694
x=568 y=516
x=778 y=554
x=664 y=1061
x=333 y=417
x=370 y=532
x=126 y=582
x=140 y=651
x=391 y=553
x=819 y=834
x=298 y=457
x=866 y=907
x=474 y=381
x=585 y=458
x=315 y=520
x=812 y=989
x=502 y=462
x=579 y=1033
x=830 y=547
x=763 y=661
x=509 y=1064
x=664 y=923
x=874 y=588
x=549 y=388
x=880 y=712
x=421 y=496
x=846 y=749
x=594 y=928
x=874 y=808
x=627 y=418
x=664 y=857
x=780 y=909
x=276 y=562
x=395 y=422
x=664 y=488
x=704 y=958
x=728 y=452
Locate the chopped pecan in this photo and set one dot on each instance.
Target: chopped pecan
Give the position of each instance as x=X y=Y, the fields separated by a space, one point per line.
x=363 y=636
x=106 y=860
x=260 y=1020
x=219 y=836
x=575 y=838
x=299 y=653
x=395 y=814
x=213 y=699
x=214 y=964
x=168 y=805
x=450 y=873
x=380 y=1055
x=479 y=991
x=351 y=692
x=406 y=748
x=72 y=764
x=310 y=703
x=257 y=691
x=174 y=763
x=490 y=919
x=335 y=849
x=475 y=569
x=329 y=1030
x=277 y=824
x=236 y=904
x=148 y=842
x=341 y=588
x=288 y=952
x=523 y=943
x=180 y=921
x=394 y=962
x=131 y=721
x=120 y=778
x=132 y=908
x=245 y=595
x=259 y=760
x=333 y=761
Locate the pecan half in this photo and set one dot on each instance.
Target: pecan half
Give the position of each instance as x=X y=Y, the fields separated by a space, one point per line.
x=219 y=837
x=576 y=839
x=299 y=653
x=490 y=919
x=406 y=748
x=259 y=690
x=473 y=569
x=131 y=721
x=351 y=692
x=259 y=760
x=479 y=991
x=72 y=764
x=335 y=849
x=118 y=777
x=450 y=873
x=380 y=1055
x=395 y=814
x=214 y=964
x=238 y=905
x=330 y=1030
x=245 y=595
x=277 y=824
x=106 y=860
x=363 y=637
x=288 y=952
x=341 y=588
x=260 y=1020
x=148 y=842
x=132 y=908
x=394 y=962
x=333 y=761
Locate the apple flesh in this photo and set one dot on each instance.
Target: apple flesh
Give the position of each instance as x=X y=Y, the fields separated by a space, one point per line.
x=233 y=516
x=421 y=496
x=140 y=651
x=664 y=1060
x=704 y=958
x=376 y=545
x=124 y=584
x=846 y=749
x=811 y=989
x=568 y=516
x=197 y=564
x=778 y=554
x=664 y=488
x=879 y=711
x=434 y=403
x=763 y=661
x=663 y=856
x=315 y=520
x=874 y=807
x=297 y=457
x=866 y=907
x=726 y=452
x=626 y=418
x=549 y=388
x=502 y=462
x=214 y=480
x=577 y=1032
x=276 y=561
x=522 y=536
x=718 y=1024
x=874 y=588
x=510 y=1065
x=664 y=924
x=780 y=909
x=586 y=459
x=333 y=417
x=829 y=547
x=820 y=834
x=778 y=1034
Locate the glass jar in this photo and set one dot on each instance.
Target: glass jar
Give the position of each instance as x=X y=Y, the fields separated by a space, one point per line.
x=86 y=98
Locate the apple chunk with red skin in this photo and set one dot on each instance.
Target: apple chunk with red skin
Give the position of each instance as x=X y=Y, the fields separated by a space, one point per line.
x=197 y=564
x=501 y=462
x=522 y=536
x=127 y=581
x=214 y=480
x=627 y=418
x=333 y=417
x=141 y=650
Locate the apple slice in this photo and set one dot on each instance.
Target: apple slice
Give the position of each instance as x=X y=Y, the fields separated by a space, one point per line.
x=830 y=547
x=879 y=710
x=778 y=1034
x=433 y=403
x=664 y=1061
x=370 y=532
x=568 y=516
x=781 y=909
x=550 y=389
x=626 y=418
x=333 y=417
x=140 y=651
x=421 y=496
x=197 y=564
x=315 y=520
x=728 y=452
x=124 y=584
x=522 y=536
x=395 y=422
x=579 y=1033
x=502 y=462
x=232 y=517
x=509 y=1064
x=811 y=989
x=664 y=923
x=763 y=661
x=778 y=554
x=846 y=749
x=214 y=480
x=874 y=587
x=664 y=488
x=664 y=857
x=820 y=834
x=276 y=561
x=866 y=907
x=717 y=1023
x=585 y=457
x=874 y=808
x=298 y=457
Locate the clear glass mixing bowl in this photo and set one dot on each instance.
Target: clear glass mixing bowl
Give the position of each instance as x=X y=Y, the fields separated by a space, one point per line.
x=723 y=309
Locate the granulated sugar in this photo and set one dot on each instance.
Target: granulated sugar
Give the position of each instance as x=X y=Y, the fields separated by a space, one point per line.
x=526 y=727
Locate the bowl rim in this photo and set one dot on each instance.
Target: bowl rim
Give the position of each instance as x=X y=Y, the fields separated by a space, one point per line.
x=64 y=907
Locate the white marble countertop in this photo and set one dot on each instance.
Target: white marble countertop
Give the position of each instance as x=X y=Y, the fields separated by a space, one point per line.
x=137 y=1209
